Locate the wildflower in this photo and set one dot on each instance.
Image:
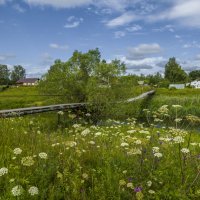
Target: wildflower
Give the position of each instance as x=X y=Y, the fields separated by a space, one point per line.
x=17 y=151
x=155 y=149
x=72 y=116
x=124 y=144
x=134 y=152
x=60 y=113
x=176 y=106
x=185 y=150
x=178 y=139
x=131 y=131
x=91 y=142
x=43 y=155
x=85 y=132
x=87 y=114
x=11 y=180
x=70 y=143
x=33 y=191
x=124 y=172
x=27 y=161
x=144 y=132
x=178 y=120
x=98 y=134
x=130 y=185
x=151 y=192
x=137 y=189
x=149 y=183
x=85 y=176
x=138 y=142
x=122 y=182
x=3 y=171
x=17 y=190
x=158 y=155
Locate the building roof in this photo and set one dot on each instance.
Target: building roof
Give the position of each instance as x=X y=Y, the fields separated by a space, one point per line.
x=28 y=80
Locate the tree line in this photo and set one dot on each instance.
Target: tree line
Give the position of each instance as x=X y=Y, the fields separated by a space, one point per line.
x=8 y=77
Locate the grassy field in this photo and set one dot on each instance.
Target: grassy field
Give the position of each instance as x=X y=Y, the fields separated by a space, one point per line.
x=120 y=160
x=188 y=98
x=21 y=97
x=68 y=157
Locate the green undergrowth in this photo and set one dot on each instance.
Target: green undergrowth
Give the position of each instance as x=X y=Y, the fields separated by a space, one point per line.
x=70 y=158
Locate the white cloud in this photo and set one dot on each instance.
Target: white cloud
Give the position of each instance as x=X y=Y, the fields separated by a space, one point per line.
x=168 y=27
x=5 y=57
x=143 y=50
x=193 y=44
x=122 y=20
x=73 y=22
x=148 y=65
x=134 y=28
x=2 y=2
x=57 y=46
x=18 y=8
x=119 y=34
x=59 y=3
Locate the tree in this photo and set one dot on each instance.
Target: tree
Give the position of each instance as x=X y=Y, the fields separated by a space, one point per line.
x=174 y=73
x=72 y=79
x=17 y=73
x=194 y=75
x=4 y=75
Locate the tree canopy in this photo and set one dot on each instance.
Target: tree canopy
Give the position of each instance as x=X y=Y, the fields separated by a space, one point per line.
x=81 y=75
x=174 y=73
x=4 y=75
x=17 y=73
x=194 y=75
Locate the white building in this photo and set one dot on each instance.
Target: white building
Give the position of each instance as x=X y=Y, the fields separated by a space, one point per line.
x=195 y=84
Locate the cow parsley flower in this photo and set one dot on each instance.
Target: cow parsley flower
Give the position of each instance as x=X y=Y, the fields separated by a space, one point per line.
x=149 y=183
x=17 y=151
x=17 y=190
x=178 y=139
x=151 y=192
x=3 y=171
x=185 y=150
x=158 y=155
x=27 y=161
x=33 y=191
x=124 y=144
x=155 y=149
x=43 y=155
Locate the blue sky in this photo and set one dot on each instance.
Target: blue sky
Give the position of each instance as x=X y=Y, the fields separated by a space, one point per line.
x=142 y=33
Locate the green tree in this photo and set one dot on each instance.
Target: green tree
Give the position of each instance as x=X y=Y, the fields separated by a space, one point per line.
x=194 y=75
x=4 y=75
x=72 y=79
x=174 y=73
x=17 y=73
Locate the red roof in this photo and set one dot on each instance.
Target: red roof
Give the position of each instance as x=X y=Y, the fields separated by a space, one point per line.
x=28 y=80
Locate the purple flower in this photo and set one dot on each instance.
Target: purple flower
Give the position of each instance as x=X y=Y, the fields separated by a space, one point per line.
x=138 y=189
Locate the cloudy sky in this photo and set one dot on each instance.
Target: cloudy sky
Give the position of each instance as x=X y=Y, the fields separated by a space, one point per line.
x=142 y=33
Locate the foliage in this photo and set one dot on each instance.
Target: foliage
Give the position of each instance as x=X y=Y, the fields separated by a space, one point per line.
x=71 y=79
x=194 y=75
x=120 y=160
x=4 y=75
x=17 y=73
x=174 y=73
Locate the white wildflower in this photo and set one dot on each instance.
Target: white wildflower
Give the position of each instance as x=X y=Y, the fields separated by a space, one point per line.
x=178 y=139
x=151 y=192
x=17 y=151
x=149 y=183
x=91 y=142
x=3 y=171
x=122 y=182
x=155 y=149
x=124 y=144
x=85 y=176
x=85 y=132
x=27 y=161
x=158 y=155
x=98 y=134
x=138 y=142
x=17 y=190
x=60 y=113
x=176 y=106
x=33 y=191
x=130 y=185
x=43 y=155
x=185 y=150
